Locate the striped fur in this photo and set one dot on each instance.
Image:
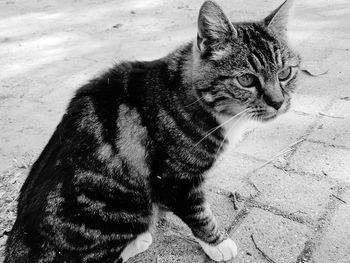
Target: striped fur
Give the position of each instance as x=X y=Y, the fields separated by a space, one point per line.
x=143 y=135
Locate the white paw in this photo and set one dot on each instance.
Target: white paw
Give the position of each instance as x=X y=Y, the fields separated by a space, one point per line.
x=139 y=245
x=224 y=251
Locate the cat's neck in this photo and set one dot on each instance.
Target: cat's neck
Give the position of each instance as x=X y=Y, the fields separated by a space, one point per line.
x=184 y=59
x=181 y=64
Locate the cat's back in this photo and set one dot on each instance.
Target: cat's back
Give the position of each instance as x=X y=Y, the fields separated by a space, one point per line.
x=101 y=129
x=99 y=119
x=94 y=165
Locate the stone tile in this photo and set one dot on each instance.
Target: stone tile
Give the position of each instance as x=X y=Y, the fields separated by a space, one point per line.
x=311 y=54
x=332 y=84
x=309 y=104
x=340 y=35
x=343 y=43
x=335 y=246
x=230 y=171
x=268 y=139
x=5 y=163
x=320 y=159
x=295 y=194
x=328 y=86
x=281 y=239
x=335 y=130
x=169 y=247
x=30 y=137
x=223 y=209
x=316 y=87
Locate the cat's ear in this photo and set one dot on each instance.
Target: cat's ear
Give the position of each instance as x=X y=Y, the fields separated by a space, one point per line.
x=278 y=19
x=213 y=25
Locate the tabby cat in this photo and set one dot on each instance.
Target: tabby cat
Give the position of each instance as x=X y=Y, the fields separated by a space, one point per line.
x=145 y=135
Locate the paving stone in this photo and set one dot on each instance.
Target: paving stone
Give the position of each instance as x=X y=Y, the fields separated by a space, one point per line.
x=230 y=171
x=317 y=158
x=295 y=194
x=312 y=54
x=223 y=209
x=31 y=136
x=332 y=84
x=169 y=247
x=317 y=87
x=335 y=130
x=309 y=104
x=308 y=98
x=281 y=239
x=329 y=42
x=268 y=139
x=5 y=163
x=335 y=245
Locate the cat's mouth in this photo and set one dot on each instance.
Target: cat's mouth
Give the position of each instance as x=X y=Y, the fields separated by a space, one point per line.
x=269 y=113
x=264 y=115
x=268 y=117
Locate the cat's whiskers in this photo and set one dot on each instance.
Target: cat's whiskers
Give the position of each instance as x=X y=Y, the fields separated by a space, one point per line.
x=192 y=103
x=253 y=133
x=222 y=124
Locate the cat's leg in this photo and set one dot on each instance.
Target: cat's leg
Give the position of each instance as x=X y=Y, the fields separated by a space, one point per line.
x=196 y=213
x=137 y=246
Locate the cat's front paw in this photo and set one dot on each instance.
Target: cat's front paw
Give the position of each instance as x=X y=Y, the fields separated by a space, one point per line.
x=226 y=250
x=137 y=246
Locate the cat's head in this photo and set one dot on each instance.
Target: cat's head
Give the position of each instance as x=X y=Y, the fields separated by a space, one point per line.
x=244 y=66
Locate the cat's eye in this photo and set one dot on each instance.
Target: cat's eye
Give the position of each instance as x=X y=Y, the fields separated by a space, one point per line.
x=284 y=74
x=246 y=80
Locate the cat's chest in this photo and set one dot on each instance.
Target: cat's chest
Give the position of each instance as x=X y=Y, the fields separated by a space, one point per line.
x=234 y=130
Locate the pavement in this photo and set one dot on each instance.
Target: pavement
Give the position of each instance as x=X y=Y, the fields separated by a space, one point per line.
x=283 y=194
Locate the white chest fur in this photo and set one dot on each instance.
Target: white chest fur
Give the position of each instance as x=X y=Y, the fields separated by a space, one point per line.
x=235 y=129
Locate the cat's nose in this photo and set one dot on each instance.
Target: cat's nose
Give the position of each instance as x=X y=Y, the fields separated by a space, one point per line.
x=273 y=102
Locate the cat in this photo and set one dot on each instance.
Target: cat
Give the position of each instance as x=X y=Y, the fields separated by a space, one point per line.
x=145 y=135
